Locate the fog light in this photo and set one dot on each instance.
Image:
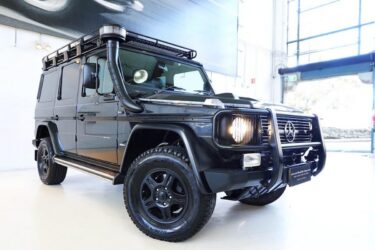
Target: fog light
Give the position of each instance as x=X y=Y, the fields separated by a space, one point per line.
x=251 y=160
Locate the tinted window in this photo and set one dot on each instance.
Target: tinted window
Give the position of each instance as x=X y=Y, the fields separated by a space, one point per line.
x=191 y=81
x=91 y=92
x=104 y=78
x=70 y=81
x=49 y=86
x=160 y=73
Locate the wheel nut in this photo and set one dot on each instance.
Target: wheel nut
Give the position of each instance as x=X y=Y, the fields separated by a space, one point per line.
x=157 y=189
x=165 y=188
x=157 y=199
x=170 y=197
x=164 y=203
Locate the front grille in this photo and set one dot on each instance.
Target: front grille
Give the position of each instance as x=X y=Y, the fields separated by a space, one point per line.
x=264 y=122
x=300 y=126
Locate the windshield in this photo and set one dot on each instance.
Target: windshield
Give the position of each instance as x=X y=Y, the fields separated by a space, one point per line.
x=163 y=74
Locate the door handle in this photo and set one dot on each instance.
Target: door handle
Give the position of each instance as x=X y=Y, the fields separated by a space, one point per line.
x=55 y=118
x=109 y=98
x=81 y=117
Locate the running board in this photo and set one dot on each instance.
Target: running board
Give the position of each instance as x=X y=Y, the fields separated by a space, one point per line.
x=85 y=167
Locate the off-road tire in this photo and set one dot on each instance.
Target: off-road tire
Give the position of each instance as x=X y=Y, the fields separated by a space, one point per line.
x=50 y=173
x=264 y=199
x=198 y=206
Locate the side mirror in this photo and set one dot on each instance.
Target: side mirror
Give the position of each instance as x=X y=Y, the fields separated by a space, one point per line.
x=89 y=75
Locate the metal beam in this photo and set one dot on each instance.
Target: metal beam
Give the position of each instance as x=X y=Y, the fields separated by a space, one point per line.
x=362 y=62
x=330 y=32
x=373 y=108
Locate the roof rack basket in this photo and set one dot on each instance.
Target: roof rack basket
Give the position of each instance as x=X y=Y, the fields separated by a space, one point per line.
x=92 y=41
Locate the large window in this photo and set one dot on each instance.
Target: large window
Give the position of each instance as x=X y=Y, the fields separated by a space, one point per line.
x=320 y=30
x=159 y=73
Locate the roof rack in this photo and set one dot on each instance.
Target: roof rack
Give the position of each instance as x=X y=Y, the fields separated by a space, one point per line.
x=90 y=42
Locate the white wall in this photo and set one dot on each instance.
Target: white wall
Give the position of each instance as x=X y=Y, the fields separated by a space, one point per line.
x=20 y=68
x=261 y=51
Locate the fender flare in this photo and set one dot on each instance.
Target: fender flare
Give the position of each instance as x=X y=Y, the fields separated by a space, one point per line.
x=53 y=133
x=185 y=136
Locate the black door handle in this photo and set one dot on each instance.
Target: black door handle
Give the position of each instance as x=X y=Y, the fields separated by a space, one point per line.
x=56 y=117
x=81 y=117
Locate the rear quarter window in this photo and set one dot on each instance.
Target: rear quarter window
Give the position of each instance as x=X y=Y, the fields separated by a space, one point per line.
x=49 y=86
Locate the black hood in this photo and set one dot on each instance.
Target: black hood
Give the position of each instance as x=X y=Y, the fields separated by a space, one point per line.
x=226 y=100
x=229 y=101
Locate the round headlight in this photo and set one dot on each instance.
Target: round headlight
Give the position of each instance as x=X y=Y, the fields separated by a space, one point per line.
x=241 y=130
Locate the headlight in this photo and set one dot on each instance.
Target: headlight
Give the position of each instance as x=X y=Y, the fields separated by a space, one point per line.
x=241 y=130
x=236 y=129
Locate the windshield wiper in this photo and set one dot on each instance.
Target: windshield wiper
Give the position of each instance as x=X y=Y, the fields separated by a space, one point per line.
x=204 y=92
x=174 y=87
x=171 y=88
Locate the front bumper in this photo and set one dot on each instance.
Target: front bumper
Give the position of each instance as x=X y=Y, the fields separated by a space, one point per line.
x=276 y=174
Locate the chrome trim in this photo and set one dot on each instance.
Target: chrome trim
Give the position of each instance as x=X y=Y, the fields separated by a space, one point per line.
x=290 y=131
x=175 y=102
x=238 y=105
x=295 y=114
x=277 y=151
x=212 y=102
x=112 y=30
x=66 y=163
x=298 y=145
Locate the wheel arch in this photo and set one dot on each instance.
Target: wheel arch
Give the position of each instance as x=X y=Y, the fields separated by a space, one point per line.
x=137 y=134
x=48 y=129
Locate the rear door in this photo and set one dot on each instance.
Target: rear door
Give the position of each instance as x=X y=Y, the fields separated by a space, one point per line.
x=66 y=106
x=47 y=95
x=97 y=117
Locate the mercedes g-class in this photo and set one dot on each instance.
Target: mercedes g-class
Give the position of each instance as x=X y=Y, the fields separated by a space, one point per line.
x=139 y=111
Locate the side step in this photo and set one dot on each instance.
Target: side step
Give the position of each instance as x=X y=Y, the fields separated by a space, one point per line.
x=85 y=167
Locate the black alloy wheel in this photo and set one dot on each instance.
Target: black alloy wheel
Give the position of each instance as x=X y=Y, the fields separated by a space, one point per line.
x=50 y=173
x=162 y=196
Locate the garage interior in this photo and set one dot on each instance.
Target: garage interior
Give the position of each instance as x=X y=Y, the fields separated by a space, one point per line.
x=317 y=56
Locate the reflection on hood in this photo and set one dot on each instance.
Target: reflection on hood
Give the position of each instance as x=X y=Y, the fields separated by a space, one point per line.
x=276 y=107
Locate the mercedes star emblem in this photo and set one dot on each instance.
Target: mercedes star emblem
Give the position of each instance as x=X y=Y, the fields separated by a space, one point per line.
x=290 y=131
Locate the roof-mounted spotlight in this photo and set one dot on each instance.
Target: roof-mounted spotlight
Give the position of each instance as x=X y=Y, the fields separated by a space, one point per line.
x=112 y=31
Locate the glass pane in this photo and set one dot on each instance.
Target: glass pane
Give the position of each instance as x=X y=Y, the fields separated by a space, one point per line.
x=334 y=16
x=368 y=11
x=312 y=4
x=368 y=39
x=292 y=49
x=333 y=46
x=330 y=54
x=292 y=55
x=160 y=73
x=292 y=20
x=105 y=81
x=190 y=81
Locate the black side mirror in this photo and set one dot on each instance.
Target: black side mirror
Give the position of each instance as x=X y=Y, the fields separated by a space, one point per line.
x=89 y=75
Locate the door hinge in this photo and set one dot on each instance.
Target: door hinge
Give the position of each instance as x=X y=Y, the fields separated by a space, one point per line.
x=75 y=138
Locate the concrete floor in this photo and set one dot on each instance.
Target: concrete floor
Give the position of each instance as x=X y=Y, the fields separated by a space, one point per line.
x=334 y=211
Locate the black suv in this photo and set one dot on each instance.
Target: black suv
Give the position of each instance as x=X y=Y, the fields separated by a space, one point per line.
x=140 y=112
